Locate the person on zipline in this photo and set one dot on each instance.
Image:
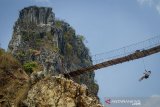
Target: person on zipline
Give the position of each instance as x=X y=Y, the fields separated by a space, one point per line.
x=146 y=75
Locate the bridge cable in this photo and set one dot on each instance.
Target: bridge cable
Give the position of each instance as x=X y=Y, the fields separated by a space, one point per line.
x=144 y=64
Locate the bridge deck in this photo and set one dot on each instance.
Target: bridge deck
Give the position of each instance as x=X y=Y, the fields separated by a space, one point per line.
x=133 y=56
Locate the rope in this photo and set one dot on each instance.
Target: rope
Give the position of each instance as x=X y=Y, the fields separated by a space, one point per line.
x=144 y=64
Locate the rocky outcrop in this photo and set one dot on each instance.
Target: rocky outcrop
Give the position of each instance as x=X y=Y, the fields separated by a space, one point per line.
x=57 y=91
x=33 y=14
x=52 y=44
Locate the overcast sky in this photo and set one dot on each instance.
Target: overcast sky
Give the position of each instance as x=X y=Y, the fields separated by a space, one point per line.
x=106 y=25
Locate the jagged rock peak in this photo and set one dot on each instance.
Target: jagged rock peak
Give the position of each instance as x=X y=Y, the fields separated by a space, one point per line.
x=38 y=15
x=50 y=44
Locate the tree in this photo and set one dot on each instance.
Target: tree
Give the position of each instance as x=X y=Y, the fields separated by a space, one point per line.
x=81 y=37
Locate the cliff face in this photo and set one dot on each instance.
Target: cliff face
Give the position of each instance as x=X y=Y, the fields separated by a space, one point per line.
x=48 y=46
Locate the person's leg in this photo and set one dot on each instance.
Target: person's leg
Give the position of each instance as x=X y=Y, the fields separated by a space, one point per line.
x=142 y=78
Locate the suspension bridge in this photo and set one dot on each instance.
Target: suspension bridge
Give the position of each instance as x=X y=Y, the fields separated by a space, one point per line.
x=127 y=53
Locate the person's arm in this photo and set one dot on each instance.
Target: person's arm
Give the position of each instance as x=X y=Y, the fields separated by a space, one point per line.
x=145 y=72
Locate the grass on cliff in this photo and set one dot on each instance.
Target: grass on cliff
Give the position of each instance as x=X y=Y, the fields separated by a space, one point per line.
x=14 y=82
x=1 y=51
x=7 y=61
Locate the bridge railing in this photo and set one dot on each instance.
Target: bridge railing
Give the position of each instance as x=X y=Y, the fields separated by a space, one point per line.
x=124 y=51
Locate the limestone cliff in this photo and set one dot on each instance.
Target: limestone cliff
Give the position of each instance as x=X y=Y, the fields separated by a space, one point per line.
x=49 y=46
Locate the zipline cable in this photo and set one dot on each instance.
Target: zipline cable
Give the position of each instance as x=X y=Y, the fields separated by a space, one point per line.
x=144 y=64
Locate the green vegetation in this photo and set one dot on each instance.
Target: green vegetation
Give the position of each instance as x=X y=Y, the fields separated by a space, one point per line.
x=1 y=51
x=51 y=47
x=38 y=42
x=32 y=51
x=30 y=66
x=69 y=49
x=58 y=23
x=55 y=49
x=49 y=36
x=69 y=35
x=21 y=54
x=25 y=36
x=66 y=36
x=81 y=37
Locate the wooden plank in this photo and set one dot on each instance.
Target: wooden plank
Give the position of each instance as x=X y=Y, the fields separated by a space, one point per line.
x=99 y=66
x=103 y=65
